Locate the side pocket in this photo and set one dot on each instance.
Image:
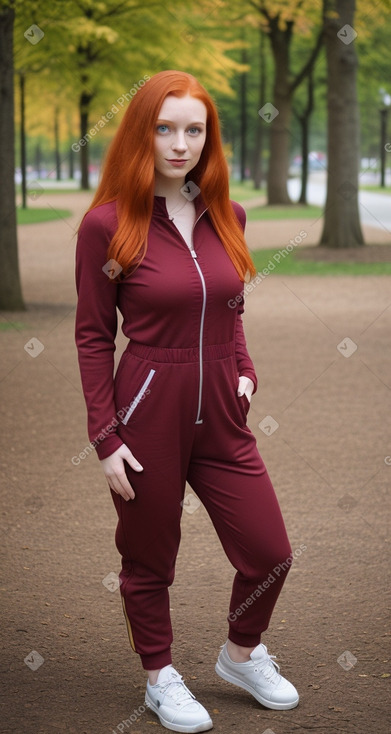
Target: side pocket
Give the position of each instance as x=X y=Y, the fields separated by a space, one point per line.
x=138 y=397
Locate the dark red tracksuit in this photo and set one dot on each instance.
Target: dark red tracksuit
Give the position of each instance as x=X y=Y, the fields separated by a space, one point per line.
x=174 y=403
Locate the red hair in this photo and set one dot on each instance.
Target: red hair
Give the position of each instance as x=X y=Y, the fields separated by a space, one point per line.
x=129 y=174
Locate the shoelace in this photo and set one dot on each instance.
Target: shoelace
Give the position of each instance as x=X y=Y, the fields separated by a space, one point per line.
x=268 y=667
x=180 y=693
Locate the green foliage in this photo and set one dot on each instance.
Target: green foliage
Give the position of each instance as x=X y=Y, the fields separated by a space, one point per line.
x=276 y=213
x=36 y=216
x=292 y=265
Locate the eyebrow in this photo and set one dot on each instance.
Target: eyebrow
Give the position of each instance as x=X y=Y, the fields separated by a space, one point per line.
x=173 y=121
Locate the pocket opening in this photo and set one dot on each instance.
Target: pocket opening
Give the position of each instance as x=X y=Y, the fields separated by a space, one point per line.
x=138 y=397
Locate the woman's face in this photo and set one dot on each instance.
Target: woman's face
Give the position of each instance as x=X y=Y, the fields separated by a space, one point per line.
x=180 y=134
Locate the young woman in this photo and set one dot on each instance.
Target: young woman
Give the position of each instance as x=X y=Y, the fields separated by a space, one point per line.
x=163 y=243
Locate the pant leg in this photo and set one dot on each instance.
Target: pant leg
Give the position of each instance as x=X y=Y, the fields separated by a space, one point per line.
x=148 y=530
x=246 y=515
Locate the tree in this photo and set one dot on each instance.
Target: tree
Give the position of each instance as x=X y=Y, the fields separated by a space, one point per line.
x=341 y=220
x=281 y=19
x=303 y=117
x=10 y=288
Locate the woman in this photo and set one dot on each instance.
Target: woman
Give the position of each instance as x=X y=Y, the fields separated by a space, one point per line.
x=163 y=242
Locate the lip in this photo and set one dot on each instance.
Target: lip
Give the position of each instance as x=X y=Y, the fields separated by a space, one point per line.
x=177 y=161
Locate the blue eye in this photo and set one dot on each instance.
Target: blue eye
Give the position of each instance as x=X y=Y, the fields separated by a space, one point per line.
x=162 y=129
x=194 y=130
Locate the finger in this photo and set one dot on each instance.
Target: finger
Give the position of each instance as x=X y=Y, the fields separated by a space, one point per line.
x=132 y=461
x=121 y=486
x=242 y=385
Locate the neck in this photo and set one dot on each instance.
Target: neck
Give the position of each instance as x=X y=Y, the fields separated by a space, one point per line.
x=170 y=189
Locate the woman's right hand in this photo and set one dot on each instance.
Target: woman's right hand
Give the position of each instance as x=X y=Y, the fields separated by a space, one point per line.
x=114 y=471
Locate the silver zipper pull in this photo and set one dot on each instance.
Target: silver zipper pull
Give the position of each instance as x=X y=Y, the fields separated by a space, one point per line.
x=193 y=253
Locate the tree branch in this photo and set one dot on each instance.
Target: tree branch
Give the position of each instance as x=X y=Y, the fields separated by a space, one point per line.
x=309 y=64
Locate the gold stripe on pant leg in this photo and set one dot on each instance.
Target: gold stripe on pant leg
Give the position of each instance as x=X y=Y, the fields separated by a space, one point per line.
x=128 y=625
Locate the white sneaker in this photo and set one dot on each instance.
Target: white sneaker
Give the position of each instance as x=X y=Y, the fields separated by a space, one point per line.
x=260 y=676
x=175 y=705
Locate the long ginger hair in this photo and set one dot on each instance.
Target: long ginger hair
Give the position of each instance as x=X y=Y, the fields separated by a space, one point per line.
x=128 y=174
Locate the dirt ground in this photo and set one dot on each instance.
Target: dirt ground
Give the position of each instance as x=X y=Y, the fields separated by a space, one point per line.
x=321 y=347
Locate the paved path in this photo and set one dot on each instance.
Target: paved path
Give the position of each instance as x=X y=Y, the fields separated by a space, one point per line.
x=327 y=404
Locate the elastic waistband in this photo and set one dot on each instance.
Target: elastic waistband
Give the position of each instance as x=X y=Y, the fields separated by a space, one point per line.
x=186 y=354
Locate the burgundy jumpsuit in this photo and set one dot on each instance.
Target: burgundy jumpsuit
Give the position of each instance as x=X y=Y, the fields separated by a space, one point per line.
x=174 y=403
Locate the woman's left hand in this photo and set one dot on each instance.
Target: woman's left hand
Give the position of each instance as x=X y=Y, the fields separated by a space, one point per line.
x=245 y=387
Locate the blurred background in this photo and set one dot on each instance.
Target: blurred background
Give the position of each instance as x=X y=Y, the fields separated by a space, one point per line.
x=303 y=88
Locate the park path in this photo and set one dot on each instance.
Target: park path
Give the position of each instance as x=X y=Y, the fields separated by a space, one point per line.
x=321 y=349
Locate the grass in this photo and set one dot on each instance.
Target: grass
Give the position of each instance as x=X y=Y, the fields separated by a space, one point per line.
x=11 y=325
x=276 y=212
x=35 y=215
x=291 y=265
x=239 y=191
x=376 y=189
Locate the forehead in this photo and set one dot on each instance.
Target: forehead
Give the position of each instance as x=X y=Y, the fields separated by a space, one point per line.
x=177 y=109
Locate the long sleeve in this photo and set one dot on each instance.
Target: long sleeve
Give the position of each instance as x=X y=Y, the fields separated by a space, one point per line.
x=95 y=332
x=243 y=360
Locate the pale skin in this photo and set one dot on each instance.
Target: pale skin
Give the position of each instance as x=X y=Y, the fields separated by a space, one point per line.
x=180 y=134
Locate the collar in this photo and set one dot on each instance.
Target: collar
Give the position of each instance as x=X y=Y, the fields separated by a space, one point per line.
x=160 y=209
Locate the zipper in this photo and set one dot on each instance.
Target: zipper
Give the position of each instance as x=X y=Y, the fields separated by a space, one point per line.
x=138 y=397
x=193 y=253
x=202 y=321
x=196 y=263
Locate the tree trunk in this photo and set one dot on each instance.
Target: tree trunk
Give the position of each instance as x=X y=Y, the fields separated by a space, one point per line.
x=243 y=119
x=10 y=289
x=57 y=145
x=23 y=161
x=280 y=126
x=38 y=160
x=71 y=172
x=342 y=226
x=304 y=120
x=85 y=101
x=383 y=142
x=259 y=132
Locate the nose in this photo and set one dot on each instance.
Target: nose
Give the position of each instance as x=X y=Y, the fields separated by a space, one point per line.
x=179 y=143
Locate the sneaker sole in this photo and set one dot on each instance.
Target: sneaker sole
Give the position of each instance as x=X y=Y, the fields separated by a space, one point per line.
x=264 y=701
x=203 y=726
